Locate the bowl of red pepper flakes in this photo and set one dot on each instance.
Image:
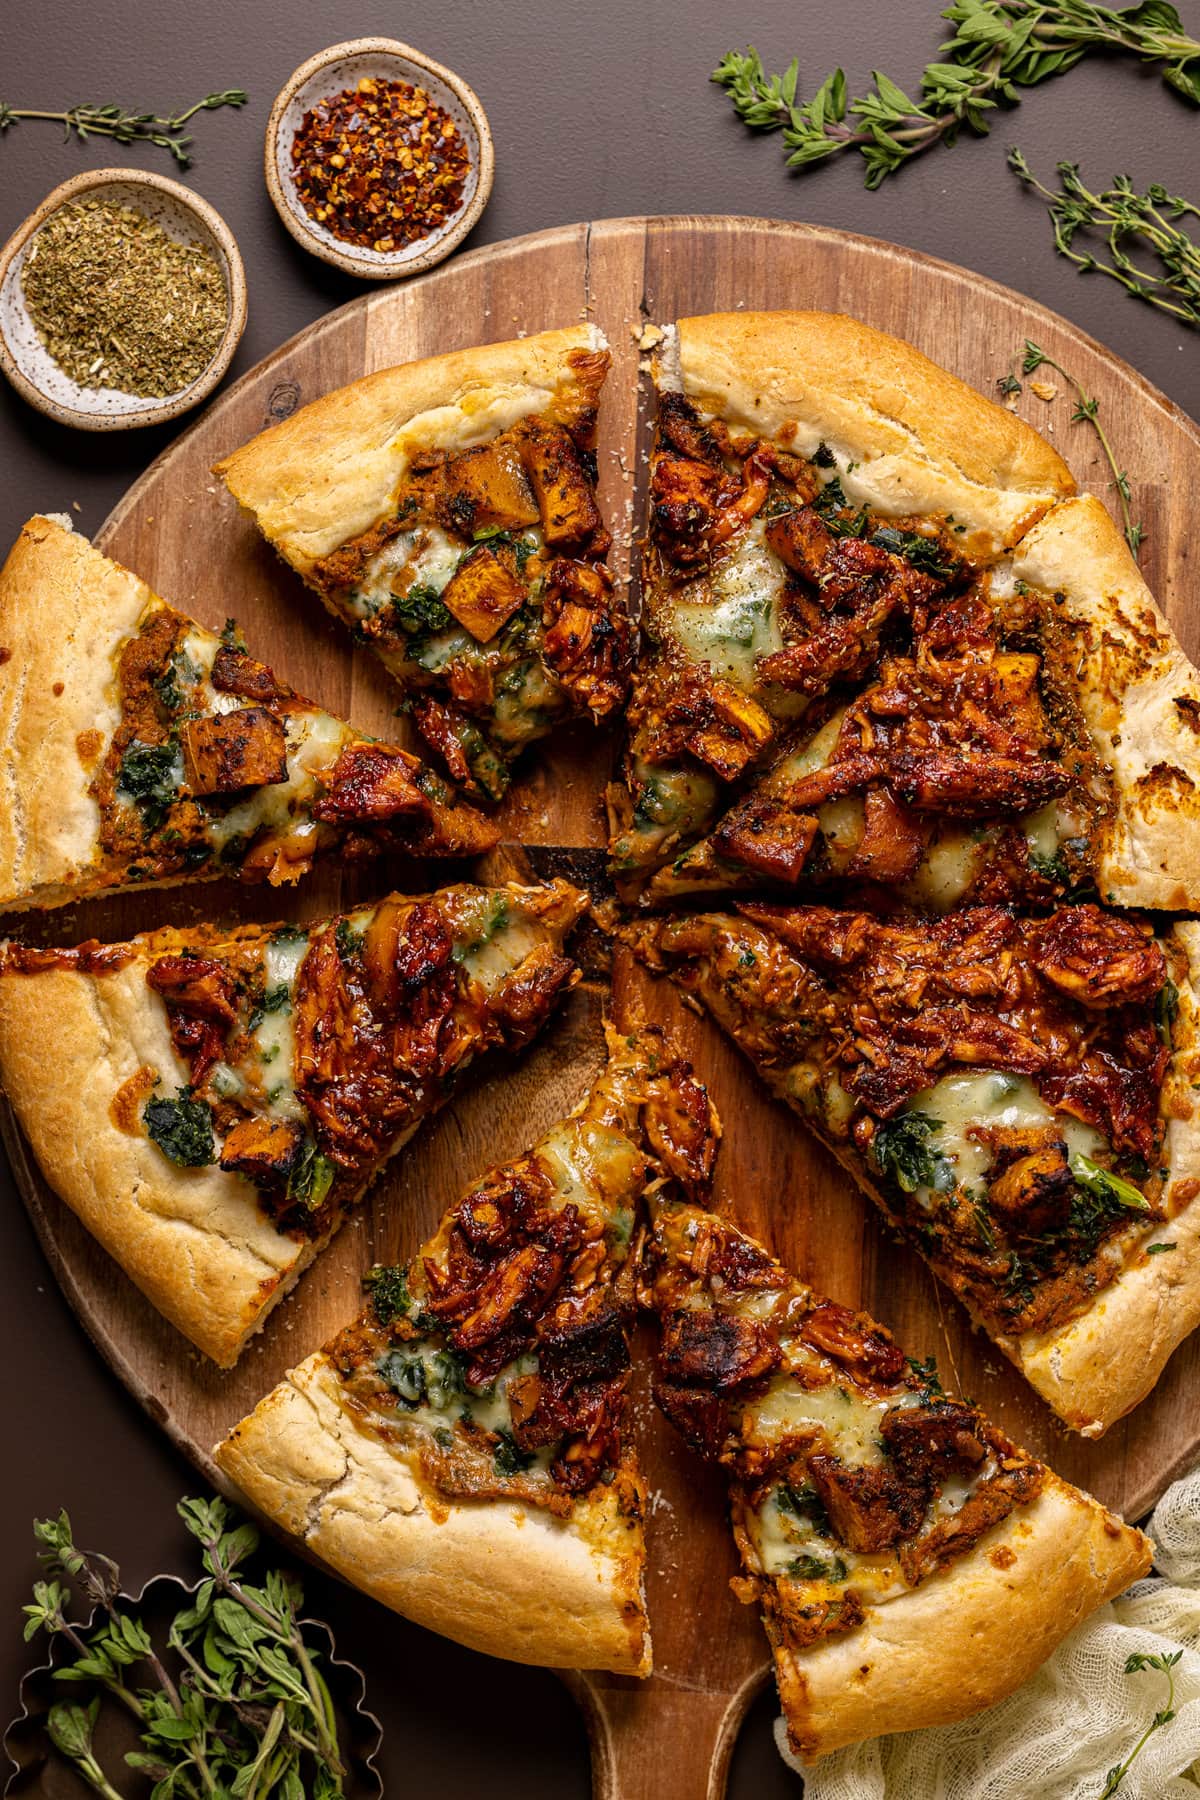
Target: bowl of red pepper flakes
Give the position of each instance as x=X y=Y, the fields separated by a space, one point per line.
x=378 y=159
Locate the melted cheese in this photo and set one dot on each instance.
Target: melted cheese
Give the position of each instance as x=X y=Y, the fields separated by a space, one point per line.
x=947 y=869
x=990 y=1098
x=273 y=1036
x=849 y=1419
x=432 y=567
x=588 y=1161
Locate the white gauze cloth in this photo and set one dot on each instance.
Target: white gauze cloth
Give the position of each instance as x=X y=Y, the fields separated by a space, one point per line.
x=1057 y=1737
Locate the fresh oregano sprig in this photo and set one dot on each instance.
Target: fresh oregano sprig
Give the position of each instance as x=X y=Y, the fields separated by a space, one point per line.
x=998 y=47
x=1128 y=221
x=237 y=1707
x=1165 y=1664
x=1087 y=412
x=127 y=126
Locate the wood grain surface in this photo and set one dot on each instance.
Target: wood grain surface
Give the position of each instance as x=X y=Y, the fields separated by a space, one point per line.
x=179 y=529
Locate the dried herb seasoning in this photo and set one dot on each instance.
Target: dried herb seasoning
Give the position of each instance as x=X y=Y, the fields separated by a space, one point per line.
x=118 y=303
x=380 y=165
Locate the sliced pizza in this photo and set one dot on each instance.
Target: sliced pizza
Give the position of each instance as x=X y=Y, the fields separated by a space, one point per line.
x=912 y=1564
x=211 y=1104
x=1018 y=1096
x=459 y=1451
x=446 y=511
x=144 y=749
x=886 y=648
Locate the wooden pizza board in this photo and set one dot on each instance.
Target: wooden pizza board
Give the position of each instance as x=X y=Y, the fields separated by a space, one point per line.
x=179 y=529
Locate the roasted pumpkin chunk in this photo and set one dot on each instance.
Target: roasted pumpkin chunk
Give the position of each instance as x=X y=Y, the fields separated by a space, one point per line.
x=262 y=1148
x=246 y=748
x=568 y=507
x=486 y=488
x=483 y=595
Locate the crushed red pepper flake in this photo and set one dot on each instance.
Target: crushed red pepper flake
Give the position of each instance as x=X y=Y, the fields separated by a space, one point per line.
x=380 y=165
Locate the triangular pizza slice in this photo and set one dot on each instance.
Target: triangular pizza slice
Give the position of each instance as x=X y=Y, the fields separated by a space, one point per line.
x=1018 y=1096
x=212 y=1103
x=459 y=1451
x=912 y=1564
x=884 y=646
x=446 y=511
x=144 y=749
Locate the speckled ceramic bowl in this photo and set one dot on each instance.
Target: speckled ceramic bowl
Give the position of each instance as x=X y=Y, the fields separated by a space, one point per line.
x=344 y=66
x=31 y=368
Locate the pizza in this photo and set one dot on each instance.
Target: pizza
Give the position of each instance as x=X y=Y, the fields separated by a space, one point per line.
x=144 y=749
x=446 y=511
x=888 y=647
x=911 y=1563
x=1017 y=1094
x=459 y=1451
x=216 y=1102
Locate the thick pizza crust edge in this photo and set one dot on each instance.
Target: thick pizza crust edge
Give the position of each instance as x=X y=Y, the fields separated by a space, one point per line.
x=934 y=1654
x=330 y=472
x=922 y=440
x=193 y=1240
x=1098 y=1367
x=1140 y=698
x=504 y=1578
x=64 y=612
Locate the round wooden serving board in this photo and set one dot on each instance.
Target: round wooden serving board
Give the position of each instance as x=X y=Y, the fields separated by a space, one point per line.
x=179 y=529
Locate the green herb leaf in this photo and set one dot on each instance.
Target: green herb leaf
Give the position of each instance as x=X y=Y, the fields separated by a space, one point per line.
x=311 y=1177
x=1105 y=1185
x=150 y=776
x=901 y=1150
x=183 y=1129
x=387 y=1286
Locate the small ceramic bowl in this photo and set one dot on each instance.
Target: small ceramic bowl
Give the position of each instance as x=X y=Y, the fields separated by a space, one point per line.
x=31 y=368
x=344 y=66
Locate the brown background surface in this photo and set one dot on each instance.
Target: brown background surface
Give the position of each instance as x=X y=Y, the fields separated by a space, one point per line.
x=598 y=110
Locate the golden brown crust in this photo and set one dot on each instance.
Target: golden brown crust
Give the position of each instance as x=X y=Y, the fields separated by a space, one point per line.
x=922 y=440
x=64 y=611
x=329 y=472
x=1141 y=701
x=503 y=1577
x=194 y=1240
x=968 y=1636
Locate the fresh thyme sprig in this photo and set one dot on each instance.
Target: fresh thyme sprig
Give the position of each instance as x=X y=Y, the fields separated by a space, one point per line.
x=1087 y=412
x=129 y=127
x=1127 y=219
x=1165 y=1663
x=998 y=47
x=247 y=1711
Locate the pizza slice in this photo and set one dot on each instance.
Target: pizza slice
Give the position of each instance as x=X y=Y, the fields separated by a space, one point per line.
x=885 y=648
x=912 y=1564
x=446 y=511
x=211 y=1104
x=1018 y=1096
x=144 y=749
x=459 y=1451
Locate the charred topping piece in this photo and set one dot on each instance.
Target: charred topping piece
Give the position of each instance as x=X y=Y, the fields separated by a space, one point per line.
x=999 y=1080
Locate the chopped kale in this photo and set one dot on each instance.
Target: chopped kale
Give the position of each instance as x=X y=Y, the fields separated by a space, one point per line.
x=348 y=942
x=901 y=1149
x=421 y=612
x=1166 y=1006
x=799 y=1501
x=923 y=553
x=311 y=1177
x=183 y=1129
x=833 y=505
x=387 y=1285
x=150 y=776
x=1008 y=384
x=823 y=456
x=276 y=999
x=1158 y=1249
x=231 y=637
x=817 y=1568
x=509 y=1458
x=926 y=1372
x=404 y=1372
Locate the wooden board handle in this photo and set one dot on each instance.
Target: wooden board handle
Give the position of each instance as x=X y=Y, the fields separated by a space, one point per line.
x=650 y=1738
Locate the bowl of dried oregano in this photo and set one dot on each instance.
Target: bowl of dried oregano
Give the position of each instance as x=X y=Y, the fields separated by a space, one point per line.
x=122 y=299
